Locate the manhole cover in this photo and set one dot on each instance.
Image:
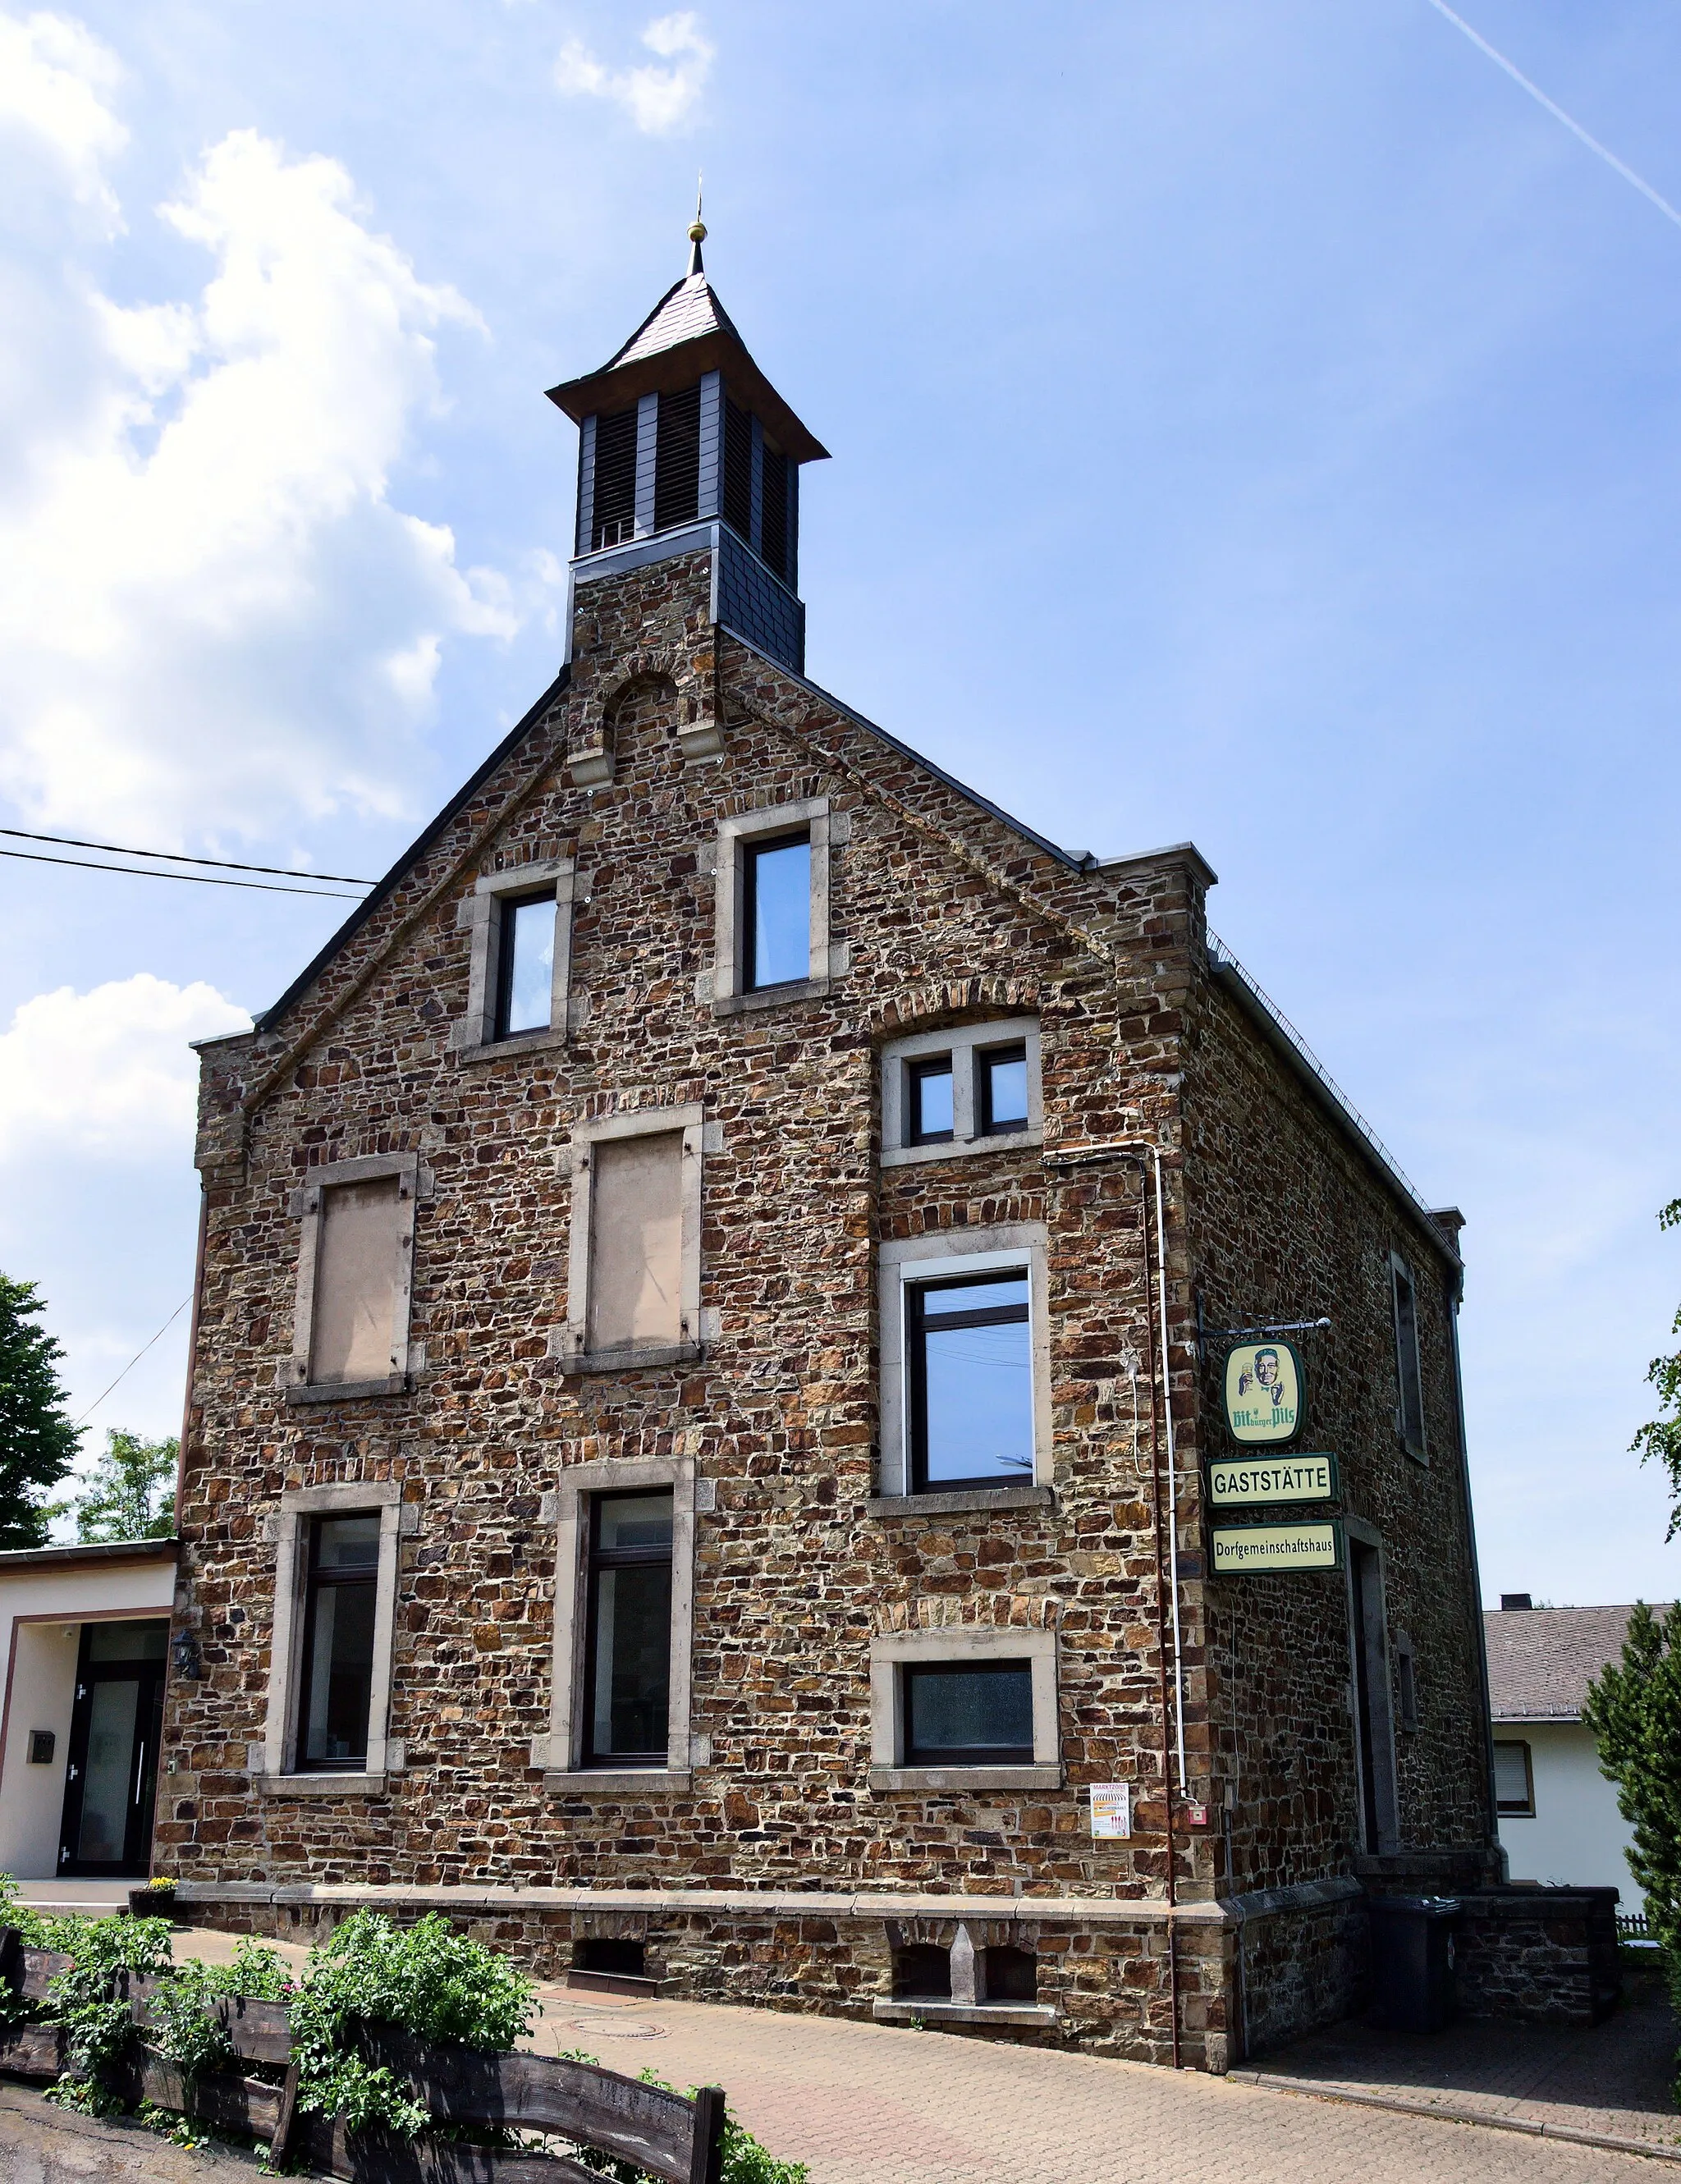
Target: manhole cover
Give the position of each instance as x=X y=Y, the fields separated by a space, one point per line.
x=627 y=2029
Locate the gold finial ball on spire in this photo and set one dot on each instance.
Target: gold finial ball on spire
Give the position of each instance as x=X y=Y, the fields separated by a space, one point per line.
x=697 y=231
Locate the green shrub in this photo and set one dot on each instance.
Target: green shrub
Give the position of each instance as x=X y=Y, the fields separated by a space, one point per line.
x=178 y=2020
x=85 y=2000
x=425 y=1978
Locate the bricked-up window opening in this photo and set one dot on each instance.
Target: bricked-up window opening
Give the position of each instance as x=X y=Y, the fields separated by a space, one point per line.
x=929 y=1114
x=776 y=912
x=628 y=1661
x=337 y=1673
x=1409 y=1411
x=773 y=512
x=971 y=1382
x=676 y=459
x=525 y=1000
x=636 y=1243
x=1000 y=1089
x=356 y=1276
x=613 y=508
x=1514 y=1780
x=619 y=1959
x=1009 y=1975
x=738 y=470
x=1406 y=1686
x=974 y=1713
x=921 y=1972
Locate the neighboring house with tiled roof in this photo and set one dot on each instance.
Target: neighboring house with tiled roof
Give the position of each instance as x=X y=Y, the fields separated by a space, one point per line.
x=1558 y=1816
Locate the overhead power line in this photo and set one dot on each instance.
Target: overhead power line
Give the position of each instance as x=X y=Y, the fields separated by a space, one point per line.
x=200 y=879
x=136 y=1359
x=180 y=857
x=1557 y=112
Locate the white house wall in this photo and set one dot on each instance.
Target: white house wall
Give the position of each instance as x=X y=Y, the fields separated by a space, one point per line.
x=1577 y=1835
x=42 y=1611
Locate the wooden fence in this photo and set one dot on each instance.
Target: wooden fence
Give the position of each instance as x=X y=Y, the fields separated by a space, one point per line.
x=678 y=2140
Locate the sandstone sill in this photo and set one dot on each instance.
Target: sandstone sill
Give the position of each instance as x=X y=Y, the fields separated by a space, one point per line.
x=508 y=1050
x=351 y=1391
x=319 y=1785
x=770 y=997
x=964 y=2013
x=632 y=1782
x=965 y=1778
x=980 y=1498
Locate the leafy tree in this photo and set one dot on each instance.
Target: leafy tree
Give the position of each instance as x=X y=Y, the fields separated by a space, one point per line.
x=37 y=1442
x=129 y=1493
x=1662 y=1438
x=1634 y=1712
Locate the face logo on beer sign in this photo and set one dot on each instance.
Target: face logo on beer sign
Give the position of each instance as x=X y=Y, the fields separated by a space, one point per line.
x=1263 y=1392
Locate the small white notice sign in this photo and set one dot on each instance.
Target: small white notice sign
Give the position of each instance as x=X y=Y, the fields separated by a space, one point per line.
x=1111 y=1808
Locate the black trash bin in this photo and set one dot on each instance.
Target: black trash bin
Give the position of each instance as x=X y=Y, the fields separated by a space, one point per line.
x=1412 y=1962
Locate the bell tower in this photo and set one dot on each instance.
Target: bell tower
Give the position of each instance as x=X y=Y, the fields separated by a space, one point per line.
x=683 y=445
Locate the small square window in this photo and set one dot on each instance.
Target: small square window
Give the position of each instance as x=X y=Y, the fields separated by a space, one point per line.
x=336 y=1686
x=969 y=1715
x=628 y=1667
x=929 y=1113
x=776 y=912
x=1000 y=1089
x=971 y=1381
x=524 y=999
x=1514 y=1780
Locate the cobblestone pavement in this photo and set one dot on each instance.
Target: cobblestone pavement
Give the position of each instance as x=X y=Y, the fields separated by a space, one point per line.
x=1611 y=2079
x=876 y=2104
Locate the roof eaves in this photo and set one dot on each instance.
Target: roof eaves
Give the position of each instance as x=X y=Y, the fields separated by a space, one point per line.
x=422 y=842
x=89 y=1551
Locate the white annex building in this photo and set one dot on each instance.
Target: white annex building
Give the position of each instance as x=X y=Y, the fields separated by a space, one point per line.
x=1558 y=1816
x=84 y=1632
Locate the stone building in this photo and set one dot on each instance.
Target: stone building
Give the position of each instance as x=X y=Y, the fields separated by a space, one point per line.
x=714 y=1292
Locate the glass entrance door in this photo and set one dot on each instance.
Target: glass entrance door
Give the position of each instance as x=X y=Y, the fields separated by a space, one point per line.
x=111 y=1781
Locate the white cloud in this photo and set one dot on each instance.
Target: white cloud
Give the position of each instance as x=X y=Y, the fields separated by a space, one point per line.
x=56 y=82
x=107 y=1074
x=657 y=99
x=211 y=615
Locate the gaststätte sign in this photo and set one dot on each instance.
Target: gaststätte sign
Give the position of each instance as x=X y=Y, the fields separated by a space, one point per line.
x=1251 y=1550
x=1263 y=1393
x=1234 y=1482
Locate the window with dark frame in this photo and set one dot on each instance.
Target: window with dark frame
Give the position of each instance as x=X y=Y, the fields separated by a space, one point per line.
x=971 y=1381
x=627 y=1670
x=777 y=912
x=525 y=994
x=1514 y=1780
x=1000 y=1089
x=1410 y=1412
x=968 y=1713
x=930 y=1116
x=337 y=1673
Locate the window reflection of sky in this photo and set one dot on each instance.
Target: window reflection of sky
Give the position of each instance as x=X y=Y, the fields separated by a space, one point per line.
x=782 y=914
x=980 y=1412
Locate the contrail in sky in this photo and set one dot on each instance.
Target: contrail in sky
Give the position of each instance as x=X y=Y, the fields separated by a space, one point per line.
x=1558 y=112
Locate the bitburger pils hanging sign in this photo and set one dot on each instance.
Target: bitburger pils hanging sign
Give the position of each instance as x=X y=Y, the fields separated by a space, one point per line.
x=1263 y=1393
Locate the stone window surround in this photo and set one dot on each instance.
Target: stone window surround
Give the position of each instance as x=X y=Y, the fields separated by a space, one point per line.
x=828 y=960
x=1401 y=1270
x=480 y=914
x=945 y=1252
x=960 y=1042
x=959 y=1642
x=271 y=1762
x=558 y=1753
x=414 y=1184
x=569 y=1343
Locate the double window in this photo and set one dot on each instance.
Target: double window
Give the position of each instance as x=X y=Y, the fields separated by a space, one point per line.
x=628 y=1675
x=970 y=1089
x=964 y=1384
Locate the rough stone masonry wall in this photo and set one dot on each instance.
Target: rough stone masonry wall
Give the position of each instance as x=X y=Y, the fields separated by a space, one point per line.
x=1290 y=1222
x=936 y=902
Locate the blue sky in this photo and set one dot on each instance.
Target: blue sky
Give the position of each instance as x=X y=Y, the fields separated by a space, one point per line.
x=1254 y=420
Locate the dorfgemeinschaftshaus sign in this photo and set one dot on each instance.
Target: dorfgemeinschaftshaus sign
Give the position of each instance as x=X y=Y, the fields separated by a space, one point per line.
x=1263 y=1393
x=1235 y=1482
x=1253 y=1550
